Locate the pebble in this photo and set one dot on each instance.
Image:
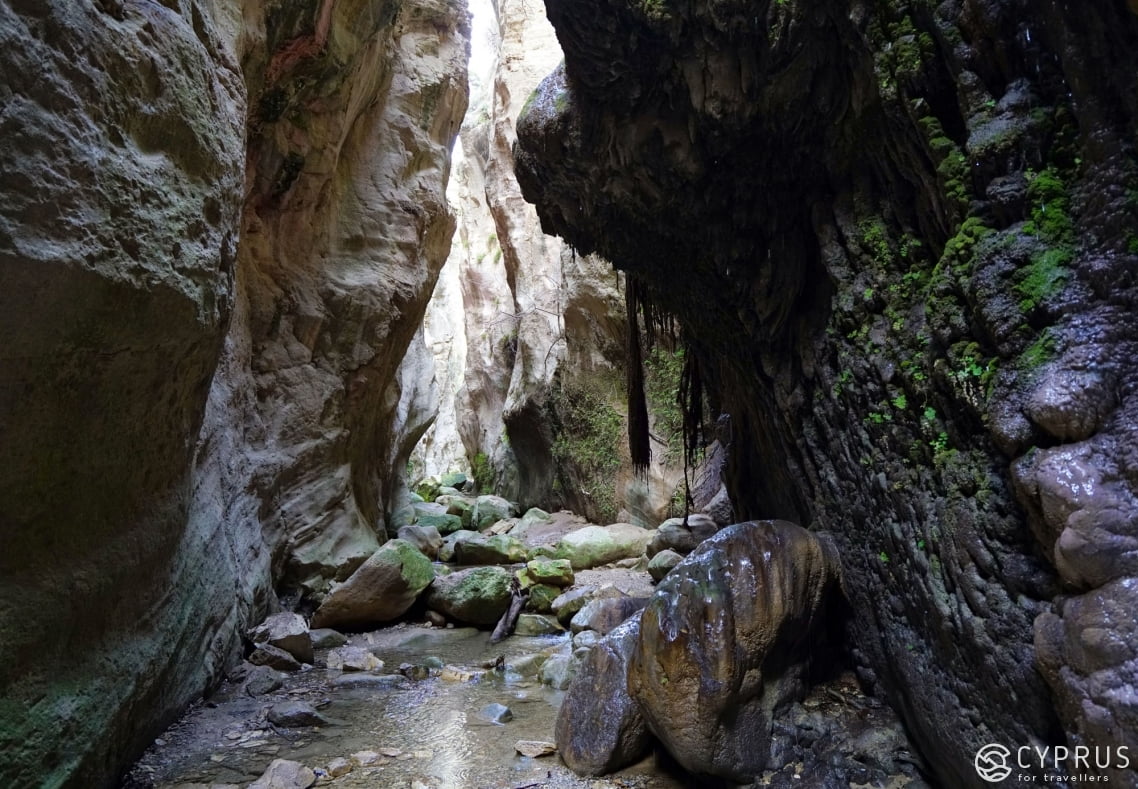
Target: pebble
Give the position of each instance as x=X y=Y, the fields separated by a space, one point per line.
x=285 y=774
x=456 y=674
x=365 y=758
x=339 y=766
x=496 y=713
x=370 y=681
x=326 y=638
x=291 y=714
x=534 y=748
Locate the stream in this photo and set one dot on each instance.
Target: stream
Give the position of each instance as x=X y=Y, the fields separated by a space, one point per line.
x=393 y=731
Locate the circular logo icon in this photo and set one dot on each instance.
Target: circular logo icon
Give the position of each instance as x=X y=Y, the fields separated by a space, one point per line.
x=992 y=763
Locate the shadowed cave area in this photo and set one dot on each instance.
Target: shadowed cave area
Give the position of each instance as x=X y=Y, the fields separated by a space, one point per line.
x=578 y=393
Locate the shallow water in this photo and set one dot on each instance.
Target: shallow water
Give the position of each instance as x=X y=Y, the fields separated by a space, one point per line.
x=427 y=733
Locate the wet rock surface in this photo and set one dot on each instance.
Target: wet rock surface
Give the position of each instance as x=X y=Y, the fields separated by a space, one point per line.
x=426 y=731
x=726 y=641
x=600 y=728
x=605 y=614
x=914 y=220
x=420 y=705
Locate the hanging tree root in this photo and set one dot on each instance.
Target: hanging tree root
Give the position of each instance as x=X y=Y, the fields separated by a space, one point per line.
x=509 y=620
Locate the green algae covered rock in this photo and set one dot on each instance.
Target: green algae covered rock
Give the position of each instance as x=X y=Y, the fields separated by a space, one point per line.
x=478 y=596
x=382 y=589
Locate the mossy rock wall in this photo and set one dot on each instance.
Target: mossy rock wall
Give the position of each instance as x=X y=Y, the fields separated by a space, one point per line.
x=894 y=234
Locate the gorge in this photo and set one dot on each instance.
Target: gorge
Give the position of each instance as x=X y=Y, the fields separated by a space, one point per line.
x=271 y=271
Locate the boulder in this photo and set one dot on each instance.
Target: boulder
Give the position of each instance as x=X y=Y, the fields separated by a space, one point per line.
x=731 y=626
x=382 y=589
x=444 y=523
x=586 y=639
x=535 y=515
x=593 y=546
x=428 y=489
x=426 y=538
x=263 y=679
x=673 y=535
x=504 y=526
x=527 y=665
x=537 y=625
x=454 y=479
x=478 y=596
x=284 y=774
x=541 y=597
x=274 y=657
x=294 y=714
x=532 y=517
x=499 y=549
x=461 y=506
x=488 y=510
x=327 y=638
x=353 y=659
x=599 y=727
x=605 y=614
x=368 y=680
x=338 y=766
x=288 y=631
x=566 y=605
x=553 y=572
x=425 y=508
x=662 y=563
x=558 y=671
x=450 y=544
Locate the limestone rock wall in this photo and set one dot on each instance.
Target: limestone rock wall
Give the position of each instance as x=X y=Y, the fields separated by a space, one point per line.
x=900 y=239
x=220 y=226
x=345 y=229
x=538 y=320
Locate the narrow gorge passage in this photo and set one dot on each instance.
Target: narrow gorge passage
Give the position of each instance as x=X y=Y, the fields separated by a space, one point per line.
x=764 y=370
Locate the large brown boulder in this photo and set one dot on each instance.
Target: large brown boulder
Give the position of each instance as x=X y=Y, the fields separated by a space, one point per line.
x=382 y=589
x=723 y=643
x=599 y=727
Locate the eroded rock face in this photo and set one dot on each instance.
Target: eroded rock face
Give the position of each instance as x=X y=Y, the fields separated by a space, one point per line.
x=599 y=726
x=119 y=205
x=528 y=337
x=201 y=422
x=1088 y=651
x=725 y=641
x=896 y=237
x=345 y=228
